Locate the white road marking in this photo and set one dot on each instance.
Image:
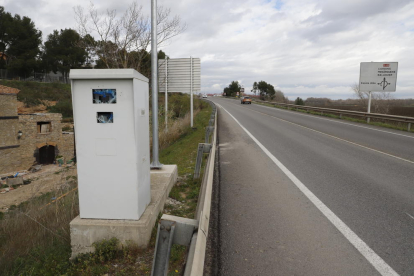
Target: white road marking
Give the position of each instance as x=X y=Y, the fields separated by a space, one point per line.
x=379 y=264
x=409 y=215
x=335 y=121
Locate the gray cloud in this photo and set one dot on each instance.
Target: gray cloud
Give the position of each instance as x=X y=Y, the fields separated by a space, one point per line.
x=306 y=48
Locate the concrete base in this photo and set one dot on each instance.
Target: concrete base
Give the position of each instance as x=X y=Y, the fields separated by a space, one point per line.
x=84 y=232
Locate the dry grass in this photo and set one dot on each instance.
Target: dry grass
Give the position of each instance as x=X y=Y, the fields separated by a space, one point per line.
x=33 y=228
x=176 y=128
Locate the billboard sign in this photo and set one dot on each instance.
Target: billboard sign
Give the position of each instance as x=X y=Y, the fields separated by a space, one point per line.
x=179 y=75
x=378 y=76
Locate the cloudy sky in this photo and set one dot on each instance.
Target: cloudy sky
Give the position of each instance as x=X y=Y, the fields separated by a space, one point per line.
x=306 y=48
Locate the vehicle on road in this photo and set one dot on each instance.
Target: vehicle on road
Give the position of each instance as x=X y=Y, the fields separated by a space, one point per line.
x=204 y=95
x=245 y=100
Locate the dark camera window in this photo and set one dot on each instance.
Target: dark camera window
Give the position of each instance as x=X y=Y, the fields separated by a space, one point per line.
x=105 y=117
x=104 y=96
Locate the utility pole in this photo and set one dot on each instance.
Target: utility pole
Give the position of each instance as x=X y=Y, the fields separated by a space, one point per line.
x=191 y=90
x=166 y=94
x=154 y=86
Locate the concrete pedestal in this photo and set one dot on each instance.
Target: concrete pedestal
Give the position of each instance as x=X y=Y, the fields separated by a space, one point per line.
x=84 y=232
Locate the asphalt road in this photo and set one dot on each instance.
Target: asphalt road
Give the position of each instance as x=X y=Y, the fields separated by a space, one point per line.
x=307 y=195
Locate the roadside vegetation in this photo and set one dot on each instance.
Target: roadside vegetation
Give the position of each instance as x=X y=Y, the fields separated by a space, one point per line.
x=35 y=235
x=34 y=93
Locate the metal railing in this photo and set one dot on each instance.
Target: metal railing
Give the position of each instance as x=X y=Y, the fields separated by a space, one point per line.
x=402 y=119
x=190 y=232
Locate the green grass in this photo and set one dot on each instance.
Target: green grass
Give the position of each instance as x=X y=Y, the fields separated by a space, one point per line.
x=183 y=153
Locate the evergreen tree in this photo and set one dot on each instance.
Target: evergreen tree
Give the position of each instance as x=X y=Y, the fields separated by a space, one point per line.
x=62 y=53
x=19 y=41
x=299 y=101
x=232 y=89
x=266 y=90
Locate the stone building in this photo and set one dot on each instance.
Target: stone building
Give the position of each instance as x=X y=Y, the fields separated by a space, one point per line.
x=28 y=139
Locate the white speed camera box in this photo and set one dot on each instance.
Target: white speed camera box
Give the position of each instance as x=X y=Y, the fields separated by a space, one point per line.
x=110 y=111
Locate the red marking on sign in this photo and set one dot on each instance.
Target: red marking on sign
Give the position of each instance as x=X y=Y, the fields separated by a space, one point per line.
x=385 y=65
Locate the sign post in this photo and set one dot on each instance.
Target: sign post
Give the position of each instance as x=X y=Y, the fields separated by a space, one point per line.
x=377 y=77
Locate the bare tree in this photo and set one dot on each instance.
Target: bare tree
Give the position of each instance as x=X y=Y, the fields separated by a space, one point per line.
x=123 y=42
x=279 y=96
x=380 y=101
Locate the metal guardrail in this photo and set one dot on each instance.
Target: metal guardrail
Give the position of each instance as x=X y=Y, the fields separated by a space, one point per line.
x=408 y=120
x=190 y=232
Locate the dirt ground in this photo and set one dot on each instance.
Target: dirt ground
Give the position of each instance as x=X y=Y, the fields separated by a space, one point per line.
x=42 y=108
x=49 y=178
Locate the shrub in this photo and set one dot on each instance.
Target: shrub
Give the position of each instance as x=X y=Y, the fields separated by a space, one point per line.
x=106 y=250
x=64 y=107
x=299 y=101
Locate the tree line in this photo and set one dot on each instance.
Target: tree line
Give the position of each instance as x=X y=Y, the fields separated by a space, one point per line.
x=102 y=40
x=264 y=90
x=382 y=102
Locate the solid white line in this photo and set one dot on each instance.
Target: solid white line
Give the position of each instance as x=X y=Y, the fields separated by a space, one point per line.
x=380 y=265
x=335 y=121
x=410 y=215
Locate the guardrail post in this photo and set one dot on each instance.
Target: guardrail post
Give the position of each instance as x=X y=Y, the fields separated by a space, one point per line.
x=163 y=248
x=198 y=160
x=202 y=148
x=209 y=130
x=171 y=230
x=409 y=127
x=340 y=115
x=368 y=120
